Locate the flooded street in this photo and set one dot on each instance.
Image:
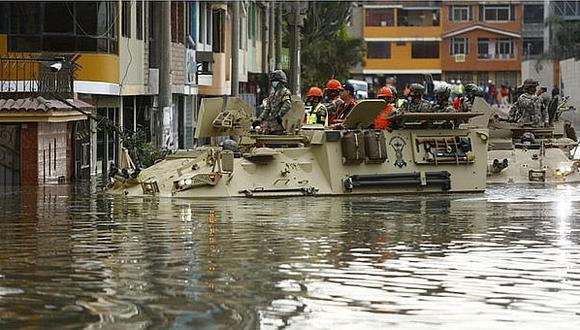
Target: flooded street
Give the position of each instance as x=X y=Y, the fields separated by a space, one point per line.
x=508 y=258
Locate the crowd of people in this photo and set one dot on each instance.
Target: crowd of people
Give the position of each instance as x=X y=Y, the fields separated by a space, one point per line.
x=332 y=105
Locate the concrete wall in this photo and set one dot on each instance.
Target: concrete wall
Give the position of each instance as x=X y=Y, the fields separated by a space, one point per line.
x=570 y=71
x=542 y=71
x=53 y=145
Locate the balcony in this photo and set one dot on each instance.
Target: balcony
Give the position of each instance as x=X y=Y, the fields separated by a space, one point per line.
x=488 y=56
x=402 y=23
x=22 y=77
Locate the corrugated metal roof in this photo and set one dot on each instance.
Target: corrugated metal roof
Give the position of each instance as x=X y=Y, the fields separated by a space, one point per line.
x=39 y=103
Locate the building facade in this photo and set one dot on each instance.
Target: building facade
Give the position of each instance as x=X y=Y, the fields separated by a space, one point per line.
x=402 y=39
x=116 y=47
x=481 y=42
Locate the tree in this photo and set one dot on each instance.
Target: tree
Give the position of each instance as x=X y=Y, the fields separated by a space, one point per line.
x=327 y=50
x=565 y=38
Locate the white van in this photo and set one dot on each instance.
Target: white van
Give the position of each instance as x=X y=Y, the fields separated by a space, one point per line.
x=361 y=88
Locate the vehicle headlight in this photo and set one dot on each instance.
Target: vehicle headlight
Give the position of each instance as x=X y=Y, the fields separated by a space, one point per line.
x=188 y=182
x=565 y=169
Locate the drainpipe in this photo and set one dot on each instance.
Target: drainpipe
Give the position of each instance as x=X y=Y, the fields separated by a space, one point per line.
x=235 y=89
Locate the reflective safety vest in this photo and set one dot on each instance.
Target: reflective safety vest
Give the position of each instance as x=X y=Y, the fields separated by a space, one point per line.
x=399 y=103
x=318 y=115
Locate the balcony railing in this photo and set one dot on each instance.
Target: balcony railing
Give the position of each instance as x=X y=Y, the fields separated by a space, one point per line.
x=496 y=56
x=28 y=76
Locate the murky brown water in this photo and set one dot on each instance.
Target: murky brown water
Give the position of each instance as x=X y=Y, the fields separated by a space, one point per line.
x=508 y=258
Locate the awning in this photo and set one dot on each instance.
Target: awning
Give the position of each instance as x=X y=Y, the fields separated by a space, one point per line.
x=484 y=28
x=39 y=109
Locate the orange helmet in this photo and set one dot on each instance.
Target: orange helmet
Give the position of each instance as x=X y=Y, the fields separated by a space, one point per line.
x=314 y=91
x=333 y=84
x=385 y=91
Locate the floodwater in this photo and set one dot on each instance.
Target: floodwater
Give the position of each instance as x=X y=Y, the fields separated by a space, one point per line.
x=505 y=259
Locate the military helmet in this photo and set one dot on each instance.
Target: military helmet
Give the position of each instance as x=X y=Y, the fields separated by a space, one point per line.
x=530 y=83
x=279 y=75
x=393 y=89
x=443 y=90
x=416 y=89
x=471 y=88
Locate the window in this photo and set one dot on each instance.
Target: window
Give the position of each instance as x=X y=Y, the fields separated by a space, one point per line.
x=533 y=14
x=218 y=37
x=378 y=49
x=425 y=49
x=379 y=17
x=496 y=13
x=126 y=27
x=483 y=48
x=177 y=24
x=423 y=17
x=62 y=26
x=533 y=46
x=505 y=48
x=139 y=14
x=459 y=45
x=460 y=13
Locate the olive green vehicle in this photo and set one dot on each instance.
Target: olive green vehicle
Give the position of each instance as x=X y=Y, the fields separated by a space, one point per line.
x=427 y=153
x=522 y=154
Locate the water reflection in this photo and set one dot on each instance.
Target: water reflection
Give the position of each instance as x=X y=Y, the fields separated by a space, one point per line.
x=501 y=259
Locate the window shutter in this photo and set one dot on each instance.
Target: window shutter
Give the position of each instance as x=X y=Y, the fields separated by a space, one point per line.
x=470 y=11
x=450 y=13
x=451 y=42
x=466 y=46
x=481 y=13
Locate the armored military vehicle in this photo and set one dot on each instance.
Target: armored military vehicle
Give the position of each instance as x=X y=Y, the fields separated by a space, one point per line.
x=522 y=154
x=427 y=153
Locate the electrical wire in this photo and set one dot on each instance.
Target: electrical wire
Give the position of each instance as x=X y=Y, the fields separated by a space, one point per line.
x=105 y=34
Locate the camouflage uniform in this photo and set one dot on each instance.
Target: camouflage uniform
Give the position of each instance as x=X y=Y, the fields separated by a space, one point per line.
x=531 y=106
x=442 y=94
x=277 y=105
x=471 y=91
x=534 y=113
x=416 y=104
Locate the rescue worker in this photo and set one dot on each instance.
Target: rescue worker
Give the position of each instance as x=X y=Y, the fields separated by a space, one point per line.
x=466 y=101
x=318 y=114
x=415 y=102
x=531 y=106
x=347 y=96
x=333 y=88
x=382 y=120
x=276 y=106
x=442 y=94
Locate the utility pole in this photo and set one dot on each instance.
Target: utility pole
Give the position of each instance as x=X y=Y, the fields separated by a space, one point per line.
x=278 y=20
x=164 y=74
x=235 y=89
x=296 y=22
x=266 y=39
x=272 y=36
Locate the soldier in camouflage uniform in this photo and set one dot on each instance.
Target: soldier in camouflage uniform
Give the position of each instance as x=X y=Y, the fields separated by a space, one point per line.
x=442 y=104
x=416 y=102
x=531 y=106
x=276 y=106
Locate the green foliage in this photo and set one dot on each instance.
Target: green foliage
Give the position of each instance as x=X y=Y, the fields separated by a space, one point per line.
x=327 y=50
x=565 y=41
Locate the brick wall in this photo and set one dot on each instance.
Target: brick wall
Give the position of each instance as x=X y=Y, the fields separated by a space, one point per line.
x=29 y=154
x=52 y=152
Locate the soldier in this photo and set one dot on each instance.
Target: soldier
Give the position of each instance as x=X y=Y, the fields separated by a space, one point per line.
x=333 y=88
x=466 y=102
x=515 y=113
x=531 y=105
x=318 y=114
x=382 y=120
x=442 y=104
x=416 y=102
x=277 y=105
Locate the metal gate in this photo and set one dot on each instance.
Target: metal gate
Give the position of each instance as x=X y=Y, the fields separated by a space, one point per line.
x=9 y=157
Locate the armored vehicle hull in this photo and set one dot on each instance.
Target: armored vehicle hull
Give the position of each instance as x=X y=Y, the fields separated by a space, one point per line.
x=323 y=161
x=523 y=154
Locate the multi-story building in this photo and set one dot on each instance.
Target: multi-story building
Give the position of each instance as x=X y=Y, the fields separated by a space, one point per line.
x=481 y=41
x=116 y=46
x=402 y=39
x=533 y=27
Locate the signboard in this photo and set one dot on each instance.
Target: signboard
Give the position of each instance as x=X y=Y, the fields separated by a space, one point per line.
x=459 y=58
